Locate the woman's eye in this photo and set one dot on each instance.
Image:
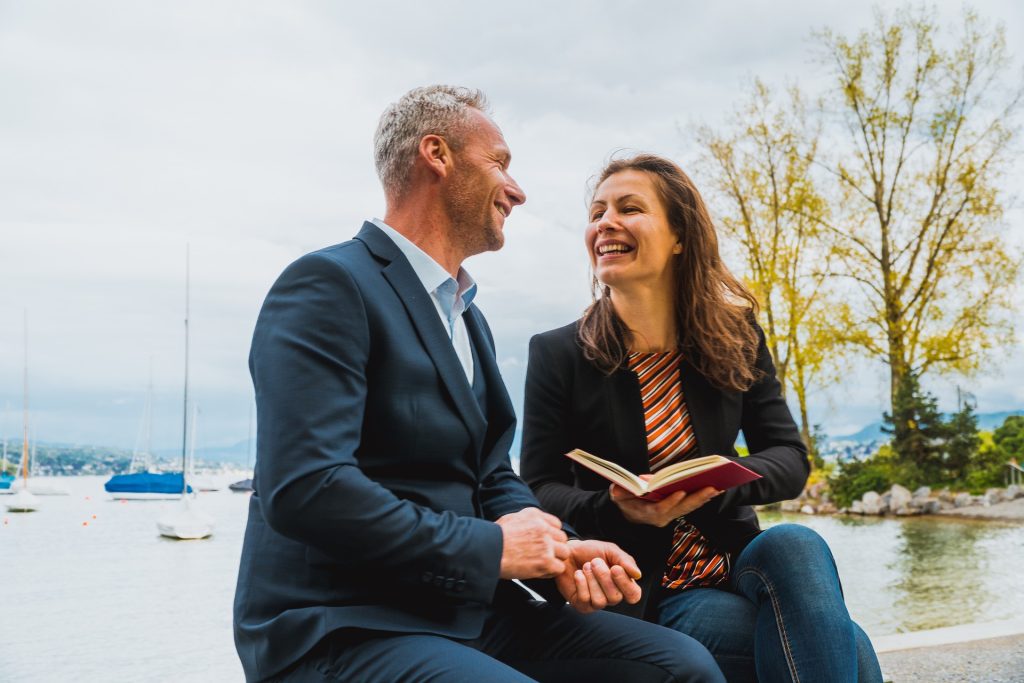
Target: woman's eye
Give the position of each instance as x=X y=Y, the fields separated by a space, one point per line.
x=596 y=215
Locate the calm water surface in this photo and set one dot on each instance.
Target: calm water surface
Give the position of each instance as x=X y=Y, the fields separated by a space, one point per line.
x=107 y=599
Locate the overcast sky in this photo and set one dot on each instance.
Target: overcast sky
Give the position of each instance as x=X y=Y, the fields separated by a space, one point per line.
x=129 y=129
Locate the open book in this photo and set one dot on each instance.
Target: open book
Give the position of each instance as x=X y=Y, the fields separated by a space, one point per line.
x=688 y=475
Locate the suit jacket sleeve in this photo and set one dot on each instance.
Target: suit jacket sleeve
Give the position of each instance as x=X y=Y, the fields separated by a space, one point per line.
x=309 y=363
x=777 y=452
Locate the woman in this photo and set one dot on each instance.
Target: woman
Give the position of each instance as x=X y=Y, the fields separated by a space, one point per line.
x=668 y=364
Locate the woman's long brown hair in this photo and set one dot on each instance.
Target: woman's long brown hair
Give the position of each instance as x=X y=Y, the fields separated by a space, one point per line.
x=714 y=311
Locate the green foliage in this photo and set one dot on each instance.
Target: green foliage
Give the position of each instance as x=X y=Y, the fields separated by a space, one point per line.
x=854 y=478
x=962 y=443
x=917 y=429
x=1010 y=437
x=988 y=466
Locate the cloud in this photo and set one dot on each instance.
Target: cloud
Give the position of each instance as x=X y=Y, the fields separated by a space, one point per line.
x=245 y=131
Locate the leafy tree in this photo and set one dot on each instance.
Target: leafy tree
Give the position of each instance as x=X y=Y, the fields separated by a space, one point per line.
x=759 y=169
x=920 y=149
x=1010 y=437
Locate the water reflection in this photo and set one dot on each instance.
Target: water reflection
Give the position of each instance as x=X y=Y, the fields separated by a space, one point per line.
x=909 y=574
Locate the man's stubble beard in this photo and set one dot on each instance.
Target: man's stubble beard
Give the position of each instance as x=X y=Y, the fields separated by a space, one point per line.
x=473 y=226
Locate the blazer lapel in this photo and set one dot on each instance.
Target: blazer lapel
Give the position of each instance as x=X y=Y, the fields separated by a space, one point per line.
x=488 y=366
x=626 y=413
x=702 y=403
x=421 y=310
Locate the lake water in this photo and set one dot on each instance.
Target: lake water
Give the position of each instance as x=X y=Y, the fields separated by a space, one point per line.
x=90 y=592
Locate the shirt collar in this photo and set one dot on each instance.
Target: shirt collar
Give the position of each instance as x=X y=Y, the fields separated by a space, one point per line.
x=430 y=273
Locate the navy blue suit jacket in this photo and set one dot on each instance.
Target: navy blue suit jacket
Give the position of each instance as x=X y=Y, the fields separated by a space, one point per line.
x=376 y=469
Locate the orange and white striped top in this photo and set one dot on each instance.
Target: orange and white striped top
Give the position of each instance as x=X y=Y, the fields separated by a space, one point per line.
x=692 y=561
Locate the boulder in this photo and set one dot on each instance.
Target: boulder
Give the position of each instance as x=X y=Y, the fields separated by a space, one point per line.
x=930 y=506
x=946 y=496
x=907 y=511
x=991 y=497
x=856 y=508
x=790 y=506
x=899 y=497
x=871 y=503
x=827 y=508
x=962 y=500
x=923 y=492
x=807 y=510
x=1014 y=491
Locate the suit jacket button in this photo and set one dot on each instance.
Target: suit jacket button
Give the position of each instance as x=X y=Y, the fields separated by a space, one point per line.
x=449 y=583
x=427 y=576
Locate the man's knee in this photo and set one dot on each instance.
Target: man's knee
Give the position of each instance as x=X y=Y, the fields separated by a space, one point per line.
x=688 y=661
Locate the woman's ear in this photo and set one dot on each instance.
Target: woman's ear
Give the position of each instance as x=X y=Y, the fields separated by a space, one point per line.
x=677 y=249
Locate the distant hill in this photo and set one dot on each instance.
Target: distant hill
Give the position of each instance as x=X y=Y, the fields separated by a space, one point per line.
x=873 y=431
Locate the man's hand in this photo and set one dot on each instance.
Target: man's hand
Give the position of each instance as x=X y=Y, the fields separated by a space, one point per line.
x=534 y=545
x=659 y=513
x=598 y=574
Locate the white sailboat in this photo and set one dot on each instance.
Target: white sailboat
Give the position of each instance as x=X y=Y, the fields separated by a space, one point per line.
x=42 y=488
x=23 y=500
x=185 y=521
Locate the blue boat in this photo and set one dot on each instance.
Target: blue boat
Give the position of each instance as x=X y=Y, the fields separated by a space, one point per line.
x=5 y=481
x=139 y=483
x=146 y=486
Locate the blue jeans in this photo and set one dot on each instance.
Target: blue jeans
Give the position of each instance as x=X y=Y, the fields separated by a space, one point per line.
x=781 y=617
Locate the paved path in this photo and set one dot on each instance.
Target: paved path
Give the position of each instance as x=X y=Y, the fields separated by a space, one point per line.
x=1009 y=510
x=992 y=652
x=996 y=660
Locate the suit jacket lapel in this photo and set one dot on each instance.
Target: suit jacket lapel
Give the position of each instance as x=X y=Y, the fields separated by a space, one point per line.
x=421 y=310
x=497 y=394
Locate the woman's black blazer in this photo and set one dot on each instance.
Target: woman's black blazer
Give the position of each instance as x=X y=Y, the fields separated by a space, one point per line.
x=570 y=404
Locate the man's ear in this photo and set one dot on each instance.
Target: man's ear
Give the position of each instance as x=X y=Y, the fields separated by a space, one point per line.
x=436 y=154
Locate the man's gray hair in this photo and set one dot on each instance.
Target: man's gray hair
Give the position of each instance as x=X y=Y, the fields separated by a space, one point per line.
x=431 y=110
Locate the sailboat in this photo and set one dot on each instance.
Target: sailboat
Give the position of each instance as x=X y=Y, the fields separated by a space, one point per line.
x=37 y=487
x=6 y=478
x=245 y=485
x=139 y=483
x=186 y=521
x=23 y=500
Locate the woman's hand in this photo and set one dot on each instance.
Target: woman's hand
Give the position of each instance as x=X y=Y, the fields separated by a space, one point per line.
x=662 y=512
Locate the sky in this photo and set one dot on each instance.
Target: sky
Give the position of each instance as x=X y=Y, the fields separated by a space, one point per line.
x=130 y=129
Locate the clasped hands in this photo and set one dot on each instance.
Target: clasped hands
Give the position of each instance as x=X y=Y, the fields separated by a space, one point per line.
x=590 y=575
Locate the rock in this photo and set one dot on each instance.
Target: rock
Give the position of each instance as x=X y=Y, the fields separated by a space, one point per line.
x=790 y=506
x=856 y=508
x=1014 y=491
x=907 y=511
x=930 y=506
x=807 y=510
x=827 y=508
x=991 y=497
x=871 y=503
x=945 y=496
x=899 y=497
x=962 y=500
x=923 y=492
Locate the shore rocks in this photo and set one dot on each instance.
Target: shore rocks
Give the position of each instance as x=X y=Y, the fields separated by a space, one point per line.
x=898 y=500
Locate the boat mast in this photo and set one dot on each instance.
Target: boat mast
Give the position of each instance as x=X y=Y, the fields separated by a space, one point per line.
x=24 y=437
x=184 y=412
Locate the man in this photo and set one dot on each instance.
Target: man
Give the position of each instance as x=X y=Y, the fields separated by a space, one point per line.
x=387 y=524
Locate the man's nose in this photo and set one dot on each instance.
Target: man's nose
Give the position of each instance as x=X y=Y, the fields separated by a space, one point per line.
x=515 y=193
